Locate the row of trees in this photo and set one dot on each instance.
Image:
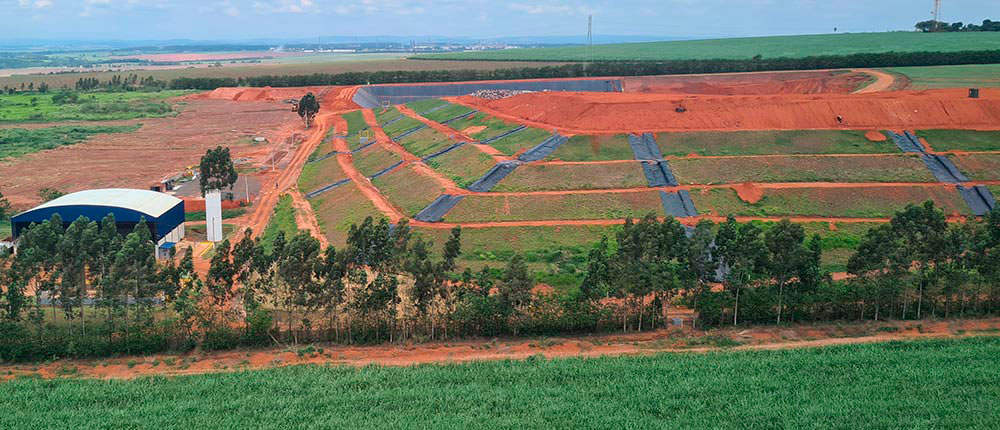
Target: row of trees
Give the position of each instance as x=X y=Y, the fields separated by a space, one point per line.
x=941 y=26
x=604 y=68
x=119 y=83
x=387 y=284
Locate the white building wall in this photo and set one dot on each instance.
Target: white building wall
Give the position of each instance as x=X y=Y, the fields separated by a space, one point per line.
x=213 y=215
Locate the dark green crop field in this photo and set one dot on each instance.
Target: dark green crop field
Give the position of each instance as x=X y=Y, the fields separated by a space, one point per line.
x=747 y=47
x=914 y=384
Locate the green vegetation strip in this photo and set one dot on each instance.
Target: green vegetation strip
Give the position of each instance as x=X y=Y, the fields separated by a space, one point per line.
x=408 y=189
x=319 y=174
x=283 y=220
x=355 y=122
x=707 y=171
x=747 y=47
x=771 y=143
x=493 y=126
x=374 y=159
x=874 y=202
x=336 y=210
x=200 y=215
x=15 y=142
x=521 y=141
x=594 y=148
x=961 y=140
x=426 y=142
x=942 y=383
x=37 y=107
x=544 y=177
x=422 y=106
x=979 y=167
x=556 y=207
x=464 y=165
x=446 y=113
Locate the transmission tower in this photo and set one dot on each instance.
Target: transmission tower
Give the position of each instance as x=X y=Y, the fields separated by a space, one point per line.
x=590 y=38
x=937 y=14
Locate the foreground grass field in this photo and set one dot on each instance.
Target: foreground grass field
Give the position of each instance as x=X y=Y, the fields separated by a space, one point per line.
x=914 y=384
x=15 y=142
x=36 y=107
x=747 y=47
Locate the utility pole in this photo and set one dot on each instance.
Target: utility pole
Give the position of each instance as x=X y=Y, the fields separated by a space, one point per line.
x=590 y=41
x=937 y=15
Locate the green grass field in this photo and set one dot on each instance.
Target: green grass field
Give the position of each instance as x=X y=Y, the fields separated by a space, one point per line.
x=833 y=202
x=961 y=140
x=374 y=159
x=708 y=171
x=594 y=148
x=355 y=123
x=336 y=210
x=747 y=47
x=408 y=189
x=556 y=207
x=386 y=115
x=15 y=142
x=464 y=164
x=939 y=383
x=398 y=127
x=770 y=143
x=521 y=141
x=979 y=167
x=544 y=177
x=487 y=126
x=972 y=75
x=446 y=113
x=319 y=174
x=283 y=220
x=422 y=106
x=426 y=142
x=36 y=107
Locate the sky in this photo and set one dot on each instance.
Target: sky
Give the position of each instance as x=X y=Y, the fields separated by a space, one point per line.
x=280 y=19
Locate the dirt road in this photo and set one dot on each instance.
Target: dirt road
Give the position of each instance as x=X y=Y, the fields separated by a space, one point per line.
x=613 y=344
x=883 y=81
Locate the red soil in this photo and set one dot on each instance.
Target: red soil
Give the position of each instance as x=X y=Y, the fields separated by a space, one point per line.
x=589 y=113
x=875 y=136
x=662 y=340
x=473 y=129
x=198 y=205
x=811 y=82
x=749 y=192
x=330 y=98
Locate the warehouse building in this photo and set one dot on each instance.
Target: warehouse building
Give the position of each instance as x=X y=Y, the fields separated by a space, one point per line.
x=164 y=214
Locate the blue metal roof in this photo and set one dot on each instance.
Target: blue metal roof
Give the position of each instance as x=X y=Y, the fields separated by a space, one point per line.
x=161 y=211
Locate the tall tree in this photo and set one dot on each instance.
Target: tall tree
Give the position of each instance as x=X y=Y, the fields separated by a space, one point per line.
x=785 y=243
x=308 y=108
x=4 y=208
x=217 y=170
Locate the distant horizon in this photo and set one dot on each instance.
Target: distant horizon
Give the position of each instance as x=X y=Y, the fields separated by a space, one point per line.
x=276 y=20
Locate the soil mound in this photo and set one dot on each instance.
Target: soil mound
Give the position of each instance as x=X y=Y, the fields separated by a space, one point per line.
x=749 y=192
x=749 y=83
x=624 y=113
x=875 y=136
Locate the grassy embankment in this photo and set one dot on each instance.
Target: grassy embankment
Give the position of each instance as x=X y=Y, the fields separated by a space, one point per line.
x=941 y=383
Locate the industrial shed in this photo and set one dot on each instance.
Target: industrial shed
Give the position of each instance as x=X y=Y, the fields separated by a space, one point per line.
x=163 y=213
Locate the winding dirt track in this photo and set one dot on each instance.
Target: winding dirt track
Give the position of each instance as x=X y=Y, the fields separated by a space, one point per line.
x=883 y=81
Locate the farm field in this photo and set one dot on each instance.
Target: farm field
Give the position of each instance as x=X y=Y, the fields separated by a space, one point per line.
x=594 y=148
x=797 y=388
x=374 y=159
x=464 y=164
x=544 y=177
x=556 y=207
x=745 y=48
x=979 y=167
x=770 y=143
x=875 y=202
x=708 y=171
x=961 y=140
x=964 y=76
x=36 y=107
x=15 y=142
x=321 y=173
x=408 y=189
x=336 y=210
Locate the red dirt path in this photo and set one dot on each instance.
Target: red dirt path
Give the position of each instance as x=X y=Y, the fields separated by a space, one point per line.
x=614 y=344
x=806 y=82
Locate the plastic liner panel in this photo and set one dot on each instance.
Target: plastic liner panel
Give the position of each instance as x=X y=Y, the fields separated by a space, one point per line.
x=436 y=211
x=493 y=177
x=678 y=204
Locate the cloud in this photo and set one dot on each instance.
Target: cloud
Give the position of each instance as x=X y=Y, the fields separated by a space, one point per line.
x=37 y=4
x=548 y=9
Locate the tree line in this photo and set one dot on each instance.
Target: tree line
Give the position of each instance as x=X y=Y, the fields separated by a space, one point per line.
x=941 y=26
x=604 y=68
x=108 y=294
